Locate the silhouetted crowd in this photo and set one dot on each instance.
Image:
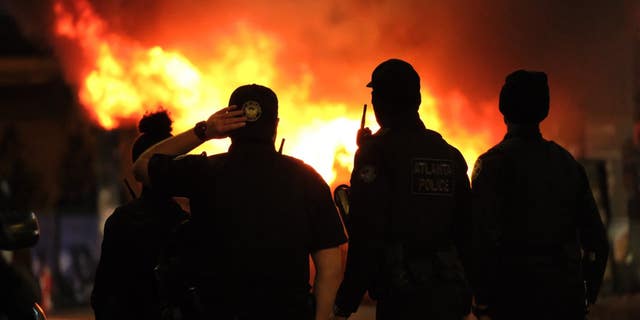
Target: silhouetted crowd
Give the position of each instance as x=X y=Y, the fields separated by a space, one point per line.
x=522 y=240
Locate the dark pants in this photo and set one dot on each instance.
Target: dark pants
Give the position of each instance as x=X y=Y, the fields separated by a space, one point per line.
x=256 y=313
x=420 y=306
x=257 y=308
x=539 y=312
x=538 y=294
x=559 y=303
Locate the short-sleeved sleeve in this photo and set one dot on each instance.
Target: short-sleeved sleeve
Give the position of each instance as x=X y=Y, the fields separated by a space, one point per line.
x=179 y=177
x=326 y=227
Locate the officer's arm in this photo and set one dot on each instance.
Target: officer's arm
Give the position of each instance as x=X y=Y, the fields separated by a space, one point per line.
x=218 y=126
x=328 y=264
x=326 y=236
x=593 y=237
x=355 y=282
x=368 y=203
x=462 y=213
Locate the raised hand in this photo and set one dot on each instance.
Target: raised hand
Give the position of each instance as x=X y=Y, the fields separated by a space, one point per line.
x=223 y=121
x=362 y=136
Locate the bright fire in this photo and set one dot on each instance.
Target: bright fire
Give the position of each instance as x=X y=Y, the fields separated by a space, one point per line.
x=122 y=79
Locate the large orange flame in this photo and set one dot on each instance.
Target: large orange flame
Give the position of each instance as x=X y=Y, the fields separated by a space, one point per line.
x=120 y=80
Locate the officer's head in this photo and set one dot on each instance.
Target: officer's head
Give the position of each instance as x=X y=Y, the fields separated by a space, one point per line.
x=153 y=127
x=260 y=106
x=396 y=91
x=524 y=98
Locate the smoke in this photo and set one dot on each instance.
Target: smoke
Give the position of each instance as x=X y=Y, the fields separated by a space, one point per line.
x=463 y=47
x=457 y=44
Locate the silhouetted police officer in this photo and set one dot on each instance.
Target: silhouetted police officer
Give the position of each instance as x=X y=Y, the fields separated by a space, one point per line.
x=134 y=239
x=257 y=215
x=533 y=215
x=409 y=211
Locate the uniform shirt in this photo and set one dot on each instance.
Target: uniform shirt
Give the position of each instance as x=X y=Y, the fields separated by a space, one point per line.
x=533 y=213
x=260 y=214
x=408 y=186
x=134 y=238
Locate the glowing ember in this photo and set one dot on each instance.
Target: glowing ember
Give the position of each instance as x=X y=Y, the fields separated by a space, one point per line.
x=119 y=80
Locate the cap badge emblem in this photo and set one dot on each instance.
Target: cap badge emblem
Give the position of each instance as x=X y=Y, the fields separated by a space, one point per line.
x=252 y=110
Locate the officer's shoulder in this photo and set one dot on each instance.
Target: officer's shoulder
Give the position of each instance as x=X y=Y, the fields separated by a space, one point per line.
x=123 y=213
x=433 y=134
x=295 y=163
x=563 y=155
x=292 y=160
x=495 y=153
x=206 y=163
x=490 y=161
x=436 y=137
x=560 y=150
x=455 y=152
x=300 y=167
x=114 y=218
x=130 y=206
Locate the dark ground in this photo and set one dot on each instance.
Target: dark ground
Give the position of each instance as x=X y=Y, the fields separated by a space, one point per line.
x=609 y=308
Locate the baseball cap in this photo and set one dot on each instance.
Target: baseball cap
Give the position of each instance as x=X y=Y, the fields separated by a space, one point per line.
x=395 y=74
x=260 y=106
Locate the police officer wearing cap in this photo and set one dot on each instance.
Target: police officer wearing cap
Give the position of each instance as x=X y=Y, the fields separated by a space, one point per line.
x=258 y=215
x=409 y=211
x=540 y=248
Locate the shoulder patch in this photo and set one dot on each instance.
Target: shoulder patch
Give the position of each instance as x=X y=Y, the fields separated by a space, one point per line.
x=432 y=177
x=367 y=174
